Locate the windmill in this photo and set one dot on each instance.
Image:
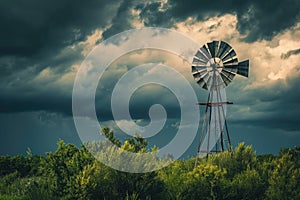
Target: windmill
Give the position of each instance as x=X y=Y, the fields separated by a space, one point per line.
x=214 y=66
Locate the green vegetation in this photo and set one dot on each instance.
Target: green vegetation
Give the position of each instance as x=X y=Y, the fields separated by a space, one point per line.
x=73 y=173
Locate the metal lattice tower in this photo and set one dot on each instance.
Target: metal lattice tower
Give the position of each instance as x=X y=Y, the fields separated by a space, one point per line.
x=214 y=66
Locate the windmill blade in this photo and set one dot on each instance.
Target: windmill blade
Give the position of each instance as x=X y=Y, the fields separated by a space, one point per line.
x=198 y=62
x=205 y=76
x=226 y=79
x=229 y=55
x=202 y=81
x=229 y=70
x=213 y=46
x=205 y=51
x=199 y=73
x=199 y=55
x=230 y=74
x=230 y=62
x=217 y=47
x=223 y=49
x=198 y=68
x=227 y=75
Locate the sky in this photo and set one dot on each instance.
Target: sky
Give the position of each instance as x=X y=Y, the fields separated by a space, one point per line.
x=43 y=43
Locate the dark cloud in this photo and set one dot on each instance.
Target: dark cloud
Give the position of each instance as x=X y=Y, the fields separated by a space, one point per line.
x=265 y=19
x=256 y=19
x=290 y=53
x=38 y=35
x=29 y=27
x=26 y=99
x=151 y=13
x=121 y=21
x=156 y=14
x=34 y=84
x=33 y=26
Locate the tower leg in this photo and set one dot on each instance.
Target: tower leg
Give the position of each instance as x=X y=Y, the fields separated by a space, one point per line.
x=220 y=120
x=226 y=127
x=202 y=132
x=228 y=138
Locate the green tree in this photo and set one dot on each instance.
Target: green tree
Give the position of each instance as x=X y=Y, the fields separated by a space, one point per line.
x=241 y=159
x=62 y=167
x=284 y=181
x=109 y=134
x=246 y=185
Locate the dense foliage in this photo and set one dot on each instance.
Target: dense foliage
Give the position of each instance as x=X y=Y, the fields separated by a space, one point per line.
x=72 y=173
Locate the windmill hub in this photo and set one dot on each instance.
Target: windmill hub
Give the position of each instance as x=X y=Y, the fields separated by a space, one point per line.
x=214 y=64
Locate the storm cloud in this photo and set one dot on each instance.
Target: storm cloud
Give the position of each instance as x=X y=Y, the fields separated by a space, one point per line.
x=256 y=19
x=34 y=27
